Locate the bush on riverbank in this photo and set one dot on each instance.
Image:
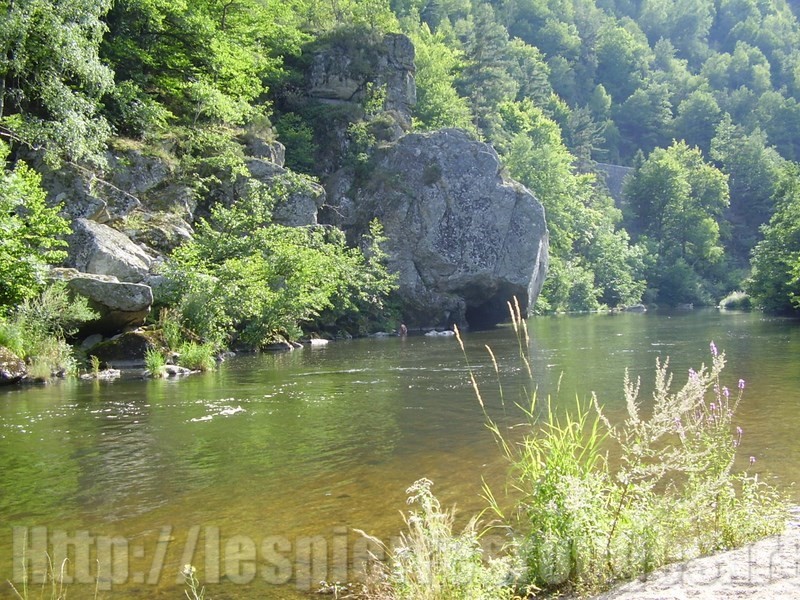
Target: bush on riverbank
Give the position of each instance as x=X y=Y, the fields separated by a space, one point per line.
x=245 y=280
x=595 y=503
x=37 y=330
x=431 y=562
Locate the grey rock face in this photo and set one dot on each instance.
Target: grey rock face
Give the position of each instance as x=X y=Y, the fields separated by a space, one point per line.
x=304 y=199
x=101 y=250
x=463 y=239
x=340 y=74
x=121 y=305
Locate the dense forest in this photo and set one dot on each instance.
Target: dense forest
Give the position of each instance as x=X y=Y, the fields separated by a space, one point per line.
x=699 y=99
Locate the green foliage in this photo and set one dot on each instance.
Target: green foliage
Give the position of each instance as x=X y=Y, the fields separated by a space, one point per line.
x=51 y=77
x=197 y=357
x=591 y=260
x=775 y=281
x=438 y=103
x=214 y=71
x=30 y=231
x=298 y=138
x=597 y=502
x=430 y=562
x=243 y=278
x=753 y=171
x=736 y=300
x=677 y=202
x=155 y=362
x=37 y=329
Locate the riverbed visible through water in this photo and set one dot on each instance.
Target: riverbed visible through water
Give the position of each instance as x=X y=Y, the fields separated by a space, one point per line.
x=259 y=473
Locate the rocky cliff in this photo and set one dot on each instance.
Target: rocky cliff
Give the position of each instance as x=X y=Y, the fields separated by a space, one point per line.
x=463 y=238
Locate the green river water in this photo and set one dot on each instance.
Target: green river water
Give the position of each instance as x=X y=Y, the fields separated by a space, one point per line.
x=258 y=473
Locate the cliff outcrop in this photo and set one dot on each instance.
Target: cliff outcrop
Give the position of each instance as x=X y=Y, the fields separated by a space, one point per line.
x=463 y=238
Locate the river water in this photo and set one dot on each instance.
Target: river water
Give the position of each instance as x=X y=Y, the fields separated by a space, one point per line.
x=259 y=473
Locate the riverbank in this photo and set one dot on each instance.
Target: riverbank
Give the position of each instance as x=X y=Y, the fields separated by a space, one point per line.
x=767 y=569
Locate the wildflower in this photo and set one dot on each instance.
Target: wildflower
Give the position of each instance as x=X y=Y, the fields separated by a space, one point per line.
x=741 y=384
x=713 y=349
x=752 y=460
x=738 y=439
x=726 y=392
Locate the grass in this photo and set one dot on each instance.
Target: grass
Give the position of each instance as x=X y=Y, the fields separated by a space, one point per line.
x=432 y=562
x=197 y=357
x=154 y=362
x=597 y=503
x=36 y=331
x=53 y=587
x=593 y=503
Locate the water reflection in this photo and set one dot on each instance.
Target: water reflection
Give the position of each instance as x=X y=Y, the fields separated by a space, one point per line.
x=301 y=443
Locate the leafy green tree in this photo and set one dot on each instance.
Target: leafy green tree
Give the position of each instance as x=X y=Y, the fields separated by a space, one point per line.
x=591 y=261
x=51 y=76
x=677 y=201
x=486 y=79
x=697 y=119
x=775 y=280
x=621 y=61
x=204 y=60
x=31 y=233
x=244 y=278
x=644 y=118
x=438 y=63
x=779 y=117
x=753 y=171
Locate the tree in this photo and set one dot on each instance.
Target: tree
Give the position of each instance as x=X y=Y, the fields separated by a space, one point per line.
x=697 y=120
x=621 y=62
x=51 y=77
x=244 y=278
x=438 y=103
x=677 y=201
x=30 y=233
x=202 y=60
x=775 y=280
x=644 y=118
x=753 y=171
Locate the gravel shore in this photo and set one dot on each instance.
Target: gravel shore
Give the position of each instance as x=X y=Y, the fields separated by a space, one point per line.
x=766 y=570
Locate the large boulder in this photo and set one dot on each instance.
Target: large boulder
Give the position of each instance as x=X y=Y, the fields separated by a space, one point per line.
x=102 y=250
x=121 y=305
x=463 y=238
x=12 y=367
x=126 y=350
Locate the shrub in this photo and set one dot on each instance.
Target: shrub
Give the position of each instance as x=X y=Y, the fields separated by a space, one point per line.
x=243 y=278
x=432 y=563
x=736 y=301
x=198 y=357
x=37 y=330
x=669 y=491
x=154 y=362
x=31 y=233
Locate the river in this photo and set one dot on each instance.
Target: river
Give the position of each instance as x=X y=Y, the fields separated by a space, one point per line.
x=259 y=472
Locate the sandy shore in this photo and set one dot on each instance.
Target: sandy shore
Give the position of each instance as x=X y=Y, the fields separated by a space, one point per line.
x=768 y=570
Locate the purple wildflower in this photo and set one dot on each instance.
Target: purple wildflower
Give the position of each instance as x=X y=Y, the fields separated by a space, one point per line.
x=713 y=349
x=752 y=460
x=741 y=384
x=726 y=392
